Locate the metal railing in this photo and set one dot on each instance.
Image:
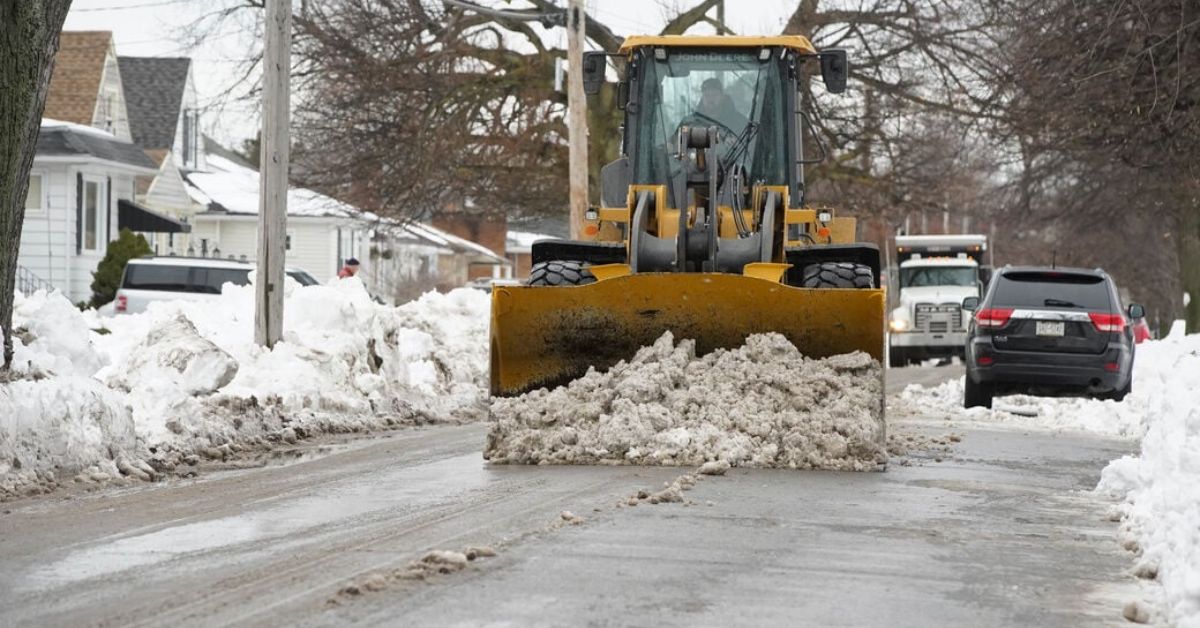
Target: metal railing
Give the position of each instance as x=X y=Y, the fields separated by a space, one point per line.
x=28 y=282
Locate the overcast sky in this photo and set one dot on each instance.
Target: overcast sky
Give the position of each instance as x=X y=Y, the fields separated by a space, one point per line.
x=154 y=28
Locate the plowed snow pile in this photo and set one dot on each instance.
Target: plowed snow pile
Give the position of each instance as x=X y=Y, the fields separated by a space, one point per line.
x=143 y=394
x=762 y=405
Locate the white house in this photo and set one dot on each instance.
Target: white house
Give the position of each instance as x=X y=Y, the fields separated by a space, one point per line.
x=81 y=191
x=321 y=234
x=408 y=259
x=397 y=260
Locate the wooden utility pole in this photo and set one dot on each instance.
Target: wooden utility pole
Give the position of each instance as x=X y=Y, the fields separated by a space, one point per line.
x=273 y=174
x=577 y=117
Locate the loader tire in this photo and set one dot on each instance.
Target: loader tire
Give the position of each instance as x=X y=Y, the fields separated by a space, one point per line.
x=560 y=273
x=837 y=275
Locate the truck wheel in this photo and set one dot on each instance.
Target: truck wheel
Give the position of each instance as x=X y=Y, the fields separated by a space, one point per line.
x=897 y=358
x=977 y=395
x=837 y=275
x=560 y=273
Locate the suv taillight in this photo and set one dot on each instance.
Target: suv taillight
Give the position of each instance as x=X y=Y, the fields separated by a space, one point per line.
x=993 y=317
x=122 y=303
x=1103 y=321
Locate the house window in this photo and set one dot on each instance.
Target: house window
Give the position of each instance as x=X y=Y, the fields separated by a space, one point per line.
x=35 y=199
x=187 y=137
x=288 y=243
x=191 y=137
x=93 y=213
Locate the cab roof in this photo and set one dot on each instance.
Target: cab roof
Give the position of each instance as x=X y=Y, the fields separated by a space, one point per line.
x=795 y=42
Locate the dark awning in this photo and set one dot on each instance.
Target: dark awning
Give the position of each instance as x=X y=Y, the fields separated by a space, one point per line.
x=134 y=217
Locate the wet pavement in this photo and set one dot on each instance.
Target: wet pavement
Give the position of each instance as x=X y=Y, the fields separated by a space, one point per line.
x=1001 y=532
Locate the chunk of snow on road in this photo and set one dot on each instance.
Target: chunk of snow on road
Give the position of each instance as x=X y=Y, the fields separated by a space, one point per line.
x=762 y=404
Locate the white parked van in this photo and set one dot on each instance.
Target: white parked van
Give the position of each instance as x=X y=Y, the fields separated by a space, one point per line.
x=148 y=279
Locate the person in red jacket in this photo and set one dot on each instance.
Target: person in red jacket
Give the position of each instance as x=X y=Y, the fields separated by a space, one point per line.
x=350 y=269
x=1141 y=331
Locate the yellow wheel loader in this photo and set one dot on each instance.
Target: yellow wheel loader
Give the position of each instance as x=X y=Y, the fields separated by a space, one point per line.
x=703 y=229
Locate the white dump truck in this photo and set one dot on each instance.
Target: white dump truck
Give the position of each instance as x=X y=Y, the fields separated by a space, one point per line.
x=933 y=274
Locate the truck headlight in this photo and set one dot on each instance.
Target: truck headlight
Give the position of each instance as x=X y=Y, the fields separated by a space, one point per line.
x=899 y=324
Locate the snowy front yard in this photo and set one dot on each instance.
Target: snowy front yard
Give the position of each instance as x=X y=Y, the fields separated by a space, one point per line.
x=141 y=394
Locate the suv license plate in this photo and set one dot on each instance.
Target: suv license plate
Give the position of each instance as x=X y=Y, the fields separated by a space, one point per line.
x=1050 y=328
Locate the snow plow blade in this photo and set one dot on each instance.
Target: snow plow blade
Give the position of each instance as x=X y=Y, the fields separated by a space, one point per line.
x=543 y=336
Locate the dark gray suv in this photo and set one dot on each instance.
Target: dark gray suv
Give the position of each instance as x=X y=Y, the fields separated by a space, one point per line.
x=1049 y=331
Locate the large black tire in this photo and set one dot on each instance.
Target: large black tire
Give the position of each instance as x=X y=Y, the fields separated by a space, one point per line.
x=897 y=357
x=560 y=273
x=977 y=395
x=837 y=275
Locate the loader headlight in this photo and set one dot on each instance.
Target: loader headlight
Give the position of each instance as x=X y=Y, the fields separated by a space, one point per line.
x=899 y=324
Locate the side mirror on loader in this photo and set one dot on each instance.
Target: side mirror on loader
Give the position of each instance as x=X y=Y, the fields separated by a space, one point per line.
x=834 y=69
x=594 y=65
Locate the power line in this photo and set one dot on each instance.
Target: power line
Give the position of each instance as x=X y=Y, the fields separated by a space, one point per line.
x=131 y=6
x=558 y=18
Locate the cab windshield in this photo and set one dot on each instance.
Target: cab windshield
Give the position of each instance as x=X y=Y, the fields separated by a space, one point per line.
x=924 y=276
x=737 y=92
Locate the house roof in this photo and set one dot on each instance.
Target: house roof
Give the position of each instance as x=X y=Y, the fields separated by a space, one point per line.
x=449 y=240
x=58 y=139
x=230 y=188
x=75 y=82
x=154 y=89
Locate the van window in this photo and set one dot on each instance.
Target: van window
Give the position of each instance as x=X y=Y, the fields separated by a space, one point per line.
x=155 y=277
x=210 y=280
x=1052 y=289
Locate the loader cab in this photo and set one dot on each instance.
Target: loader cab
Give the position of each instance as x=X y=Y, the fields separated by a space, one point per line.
x=747 y=88
x=741 y=92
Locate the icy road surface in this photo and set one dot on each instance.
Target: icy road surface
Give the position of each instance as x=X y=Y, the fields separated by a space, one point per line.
x=1001 y=532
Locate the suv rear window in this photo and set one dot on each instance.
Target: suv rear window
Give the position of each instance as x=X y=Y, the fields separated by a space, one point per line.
x=155 y=277
x=1052 y=289
x=173 y=278
x=210 y=280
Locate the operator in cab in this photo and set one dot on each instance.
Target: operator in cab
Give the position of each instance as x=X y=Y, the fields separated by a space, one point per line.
x=717 y=105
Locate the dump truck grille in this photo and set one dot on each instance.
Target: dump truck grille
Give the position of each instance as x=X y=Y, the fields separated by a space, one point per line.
x=938 y=318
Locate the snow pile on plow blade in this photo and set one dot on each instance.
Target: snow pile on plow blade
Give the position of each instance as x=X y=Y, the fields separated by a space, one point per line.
x=547 y=336
x=762 y=404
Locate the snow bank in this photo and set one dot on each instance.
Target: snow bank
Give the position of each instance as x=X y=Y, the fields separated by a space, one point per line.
x=186 y=378
x=1029 y=412
x=1161 y=487
x=762 y=404
x=1153 y=377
